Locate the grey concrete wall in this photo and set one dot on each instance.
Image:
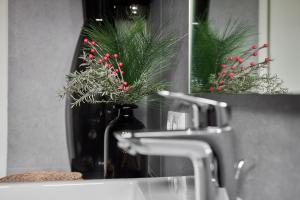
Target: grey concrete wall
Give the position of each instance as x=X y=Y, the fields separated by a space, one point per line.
x=268 y=132
x=175 y=15
x=172 y=16
x=42 y=39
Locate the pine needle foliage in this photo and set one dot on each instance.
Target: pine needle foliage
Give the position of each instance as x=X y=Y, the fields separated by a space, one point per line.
x=241 y=74
x=211 y=47
x=144 y=54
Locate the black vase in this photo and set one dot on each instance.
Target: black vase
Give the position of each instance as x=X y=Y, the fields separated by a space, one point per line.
x=118 y=163
x=86 y=129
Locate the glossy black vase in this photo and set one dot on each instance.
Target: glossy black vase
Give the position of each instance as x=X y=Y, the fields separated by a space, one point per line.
x=118 y=163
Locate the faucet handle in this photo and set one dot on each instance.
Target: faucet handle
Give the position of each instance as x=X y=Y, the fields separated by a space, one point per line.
x=201 y=108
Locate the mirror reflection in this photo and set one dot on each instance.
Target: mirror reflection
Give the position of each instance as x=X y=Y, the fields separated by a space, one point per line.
x=245 y=47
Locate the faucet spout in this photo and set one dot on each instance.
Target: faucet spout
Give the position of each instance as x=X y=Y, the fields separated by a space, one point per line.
x=199 y=152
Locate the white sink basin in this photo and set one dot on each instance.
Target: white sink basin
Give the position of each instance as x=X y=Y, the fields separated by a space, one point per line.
x=172 y=188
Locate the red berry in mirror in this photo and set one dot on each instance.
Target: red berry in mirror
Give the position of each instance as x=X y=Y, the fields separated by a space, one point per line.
x=254 y=46
x=93 y=50
x=252 y=64
x=93 y=43
x=267 y=60
x=231 y=75
x=120 y=64
x=116 y=56
x=221 y=82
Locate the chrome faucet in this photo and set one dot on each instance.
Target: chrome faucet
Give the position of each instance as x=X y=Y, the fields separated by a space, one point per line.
x=210 y=148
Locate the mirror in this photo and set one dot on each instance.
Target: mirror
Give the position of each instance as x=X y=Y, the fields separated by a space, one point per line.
x=245 y=47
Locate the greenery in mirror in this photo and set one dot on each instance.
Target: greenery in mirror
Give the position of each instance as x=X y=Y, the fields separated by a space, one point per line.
x=120 y=63
x=220 y=64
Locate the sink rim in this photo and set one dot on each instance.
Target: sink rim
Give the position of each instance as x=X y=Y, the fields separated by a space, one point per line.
x=89 y=182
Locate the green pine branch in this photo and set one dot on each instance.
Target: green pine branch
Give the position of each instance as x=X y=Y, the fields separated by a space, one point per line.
x=144 y=53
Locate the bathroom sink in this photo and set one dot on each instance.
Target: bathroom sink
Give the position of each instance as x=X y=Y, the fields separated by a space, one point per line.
x=175 y=188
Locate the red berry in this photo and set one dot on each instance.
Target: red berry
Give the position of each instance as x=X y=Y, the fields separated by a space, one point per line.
x=221 y=82
x=99 y=61
x=219 y=89
x=240 y=61
x=93 y=50
x=266 y=45
x=252 y=64
x=121 y=87
x=107 y=55
x=91 y=56
x=267 y=60
x=230 y=58
x=211 y=89
x=232 y=67
x=254 y=54
x=113 y=73
x=254 y=46
x=120 y=64
x=116 y=56
x=223 y=66
x=231 y=75
x=125 y=84
x=122 y=72
x=237 y=58
x=117 y=71
x=109 y=65
x=86 y=40
x=224 y=73
x=93 y=43
x=105 y=58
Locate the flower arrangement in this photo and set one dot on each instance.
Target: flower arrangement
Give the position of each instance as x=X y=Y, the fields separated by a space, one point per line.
x=120 y=63
x=220 y=64
x=239 y=75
